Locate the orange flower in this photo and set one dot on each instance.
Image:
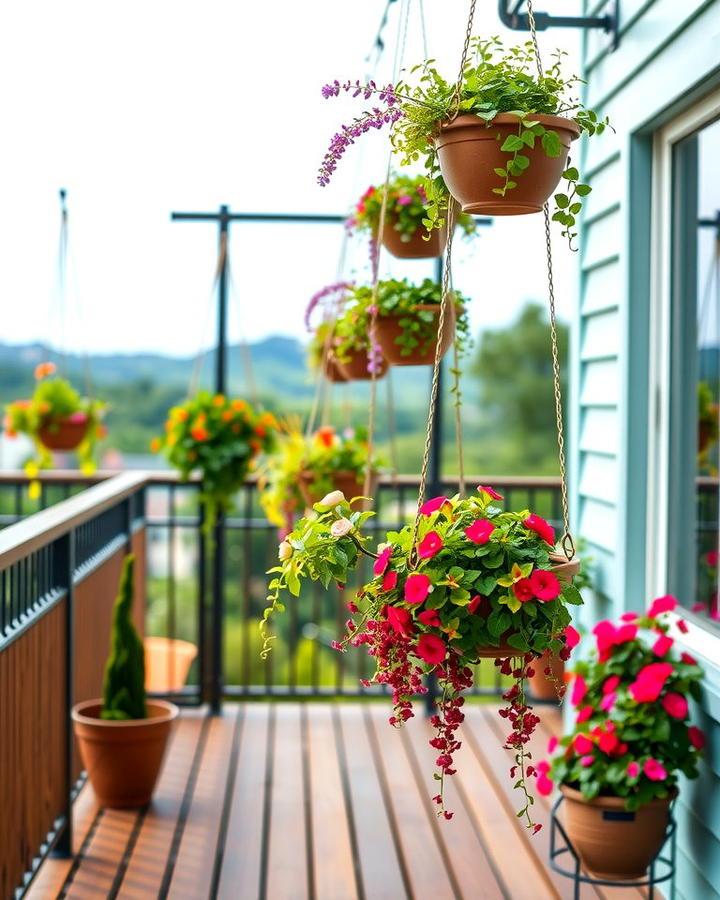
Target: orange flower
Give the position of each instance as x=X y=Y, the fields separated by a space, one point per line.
x=219 y=400
x=182 y=415
x=155 y=445
x=168 y=425
x=227 y=416
x=199 y=433
x=269 y=420
x=43 y=407
x=42 y=370
x=238 y=405
x=260 y=431
x=326 y=435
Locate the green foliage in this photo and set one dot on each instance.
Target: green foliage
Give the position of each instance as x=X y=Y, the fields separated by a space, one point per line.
x=124 y=681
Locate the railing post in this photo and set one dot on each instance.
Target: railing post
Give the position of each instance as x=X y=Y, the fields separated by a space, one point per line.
x=218 y=613
x=64 y=565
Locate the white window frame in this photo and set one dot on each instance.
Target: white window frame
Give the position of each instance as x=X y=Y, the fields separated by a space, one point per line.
x=699 y=640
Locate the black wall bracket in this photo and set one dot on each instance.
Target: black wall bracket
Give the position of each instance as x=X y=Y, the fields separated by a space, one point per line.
x=511 y=17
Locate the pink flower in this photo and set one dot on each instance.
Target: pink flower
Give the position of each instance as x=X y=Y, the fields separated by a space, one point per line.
x=587 y=760
x=417 y=587
x=611 y=684
x=688 y=659
x=390 y=581
x=650 y=682
x=78 y=418
x=711 y=558
x=404 y=200
x=431 y=506
x=431 y=648
x=608 y=701
x=697 y=738
x=662 y=645
x=544 y=785
x=543 y=767
x=552 y=744
x=662 y=605
x=381 y=562
x=572 y=637
x=545 y=585
x=479 y=532
x=431 y=544
x=579 y=690
x=582 y=744
x=341 y=527
x=523 y=590
x=429 y=617
x=675 y=705
x=541 y=527
x=626 y=633
x=605 y=632
x=584 y=714
x=400 y=619
x=629 y=616
x=608 y=743
x=682 y=626
x=490 y=492
x=633 y=770
x=654 y=770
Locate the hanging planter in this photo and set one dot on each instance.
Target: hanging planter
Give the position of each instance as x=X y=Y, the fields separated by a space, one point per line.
x=218 y=438
x=56 y=418
x=547 y=681
x=500 y=142
x=471 y=150
x=348 y=482
x=404 y=233
x=332 y=369
x=464 y=578
x=618 y=769
x=357 y=365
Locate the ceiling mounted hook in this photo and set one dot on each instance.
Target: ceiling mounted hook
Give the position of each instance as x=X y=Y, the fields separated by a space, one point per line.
x=511 y=17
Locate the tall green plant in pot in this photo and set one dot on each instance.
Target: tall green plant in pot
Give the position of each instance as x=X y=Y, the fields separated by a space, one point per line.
x=122 y=737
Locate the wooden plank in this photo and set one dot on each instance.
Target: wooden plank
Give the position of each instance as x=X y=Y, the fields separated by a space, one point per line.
x=96 y=873
x=196 y=852
x=147 y=863
x=429 y=869
x=333 y=863
x=240 y=873
x=287 y=873
x=379 y=860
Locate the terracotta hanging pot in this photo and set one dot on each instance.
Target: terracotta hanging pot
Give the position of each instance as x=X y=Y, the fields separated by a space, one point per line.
x=62 y=434
x=469 y=152
x=416 y=246
x=355 y=366
x=332 y=369
x=350 y=483
x=613 y=843
x=387 y=330
x=565 y=570
x=123 y=758
x=542 y=686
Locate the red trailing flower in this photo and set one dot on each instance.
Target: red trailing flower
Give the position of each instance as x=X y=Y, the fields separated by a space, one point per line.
x=582 y=744
x=541 y=527
x=390 y=580
x=474 y=603
x=661 y=605
x=431 y=544
x=433 y=505
x=584 y=714
x=382 y=561
x=417 y=587
x=523 y=590
x=688 y=659
x=429 y=617
x=662 y=645
x=579 y=690
x=610 y=685
x=572 y=637
x=650 y=682
x=431 y=648
x=675 y=705
x=491 y=492
x=480 y=531
x=545 y=585
x=697 y=737
x=633 y=769
x=654 y=770
x=400 y=619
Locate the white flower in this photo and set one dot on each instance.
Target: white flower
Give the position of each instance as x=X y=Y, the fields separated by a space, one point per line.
x=285 y=551
x=332 y=499
x=340 y=527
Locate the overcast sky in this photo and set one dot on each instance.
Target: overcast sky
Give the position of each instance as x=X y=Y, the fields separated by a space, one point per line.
x=145 y=107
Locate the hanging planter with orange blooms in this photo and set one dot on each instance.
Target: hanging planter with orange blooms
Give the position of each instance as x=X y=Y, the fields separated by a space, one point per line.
x=219 y=439
x=56 y=418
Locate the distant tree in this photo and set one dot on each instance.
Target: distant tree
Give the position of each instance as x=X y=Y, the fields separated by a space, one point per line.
x=514 y=365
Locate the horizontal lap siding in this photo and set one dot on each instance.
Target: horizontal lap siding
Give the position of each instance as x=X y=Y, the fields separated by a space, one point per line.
x=667 y=49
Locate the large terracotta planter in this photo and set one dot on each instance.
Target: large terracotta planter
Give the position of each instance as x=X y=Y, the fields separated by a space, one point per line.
x=414 y=247
x=469 y=152
x=123 y=758
x=167 y=663
x=613 y=843
x=62 y=434
x=387 y=330
x=332 y=370
x=565 y=571
x=355 y=366
x=348 y=482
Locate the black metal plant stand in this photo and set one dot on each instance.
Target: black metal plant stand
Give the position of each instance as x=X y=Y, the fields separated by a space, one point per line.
x=661 y=869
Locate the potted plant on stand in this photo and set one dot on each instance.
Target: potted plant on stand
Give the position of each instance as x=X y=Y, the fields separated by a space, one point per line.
x=405 y=233
x=465 y=582
x=56 y=418
x=500 y=142
x=618 y=768
x=122 y=737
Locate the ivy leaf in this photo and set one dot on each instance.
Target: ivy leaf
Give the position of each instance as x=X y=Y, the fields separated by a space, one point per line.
x=512 y=143
x=562 y=201
x=582 y=190
x=551 y=145
x=571 y=174
x=571 y=594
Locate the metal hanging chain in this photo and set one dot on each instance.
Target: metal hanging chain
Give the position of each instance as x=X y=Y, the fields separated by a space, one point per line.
x=392 y=428
x=455 y=102
x=62 y=283
x=245 y=356
x=197 y=365
x=566 y=542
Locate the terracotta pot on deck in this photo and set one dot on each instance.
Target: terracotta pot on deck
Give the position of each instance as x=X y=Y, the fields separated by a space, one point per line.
x=348 y=482
x=387 y=330
x=613 y=843
x=62 y=434
x=416 y=246
x=565 y=570
x=469 y=152
x=123 y=758
x=355 y=366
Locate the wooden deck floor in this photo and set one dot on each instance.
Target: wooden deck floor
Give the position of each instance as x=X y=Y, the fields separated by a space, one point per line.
x=289 y=801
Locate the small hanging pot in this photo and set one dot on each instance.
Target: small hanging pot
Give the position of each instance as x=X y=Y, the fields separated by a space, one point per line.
x=62 y=433
x=417 y=246
x=564 y=570
x=613 y=843
x=542 y=686
x=332 y=369
x=388 y=329
x=355 y=366
x=469 y=152
x=347 y=481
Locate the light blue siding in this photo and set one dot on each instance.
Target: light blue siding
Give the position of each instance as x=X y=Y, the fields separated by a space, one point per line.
x=668 y=57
